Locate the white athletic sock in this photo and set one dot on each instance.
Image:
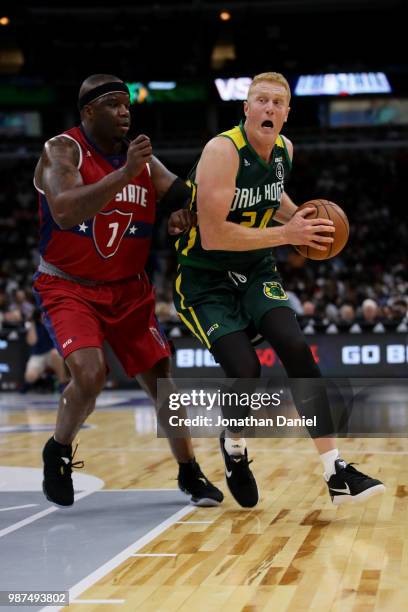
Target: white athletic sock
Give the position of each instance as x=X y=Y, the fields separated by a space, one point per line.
x=328 y=460
x=235 y=447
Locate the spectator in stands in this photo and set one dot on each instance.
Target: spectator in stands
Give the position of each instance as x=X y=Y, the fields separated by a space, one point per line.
x=43 y=355
x=347 y=316
x=395 y=314
x=370 y=315
x=399 y=309
x=309 y=309
x=22 y=304
x=11 y=316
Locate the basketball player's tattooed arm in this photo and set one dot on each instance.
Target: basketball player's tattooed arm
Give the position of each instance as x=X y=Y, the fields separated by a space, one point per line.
x=71 y=202
x=216 y=174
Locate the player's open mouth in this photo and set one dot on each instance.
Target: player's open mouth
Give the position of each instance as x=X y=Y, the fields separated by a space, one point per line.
x=267 y=124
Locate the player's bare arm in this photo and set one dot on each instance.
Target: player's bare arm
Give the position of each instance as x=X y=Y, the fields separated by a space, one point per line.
x=286 y=209
x=71 y=202
x=162 y=177
x=216 y=174
x=32 y=337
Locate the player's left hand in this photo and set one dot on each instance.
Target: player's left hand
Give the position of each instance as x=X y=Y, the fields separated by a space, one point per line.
x=181 y=221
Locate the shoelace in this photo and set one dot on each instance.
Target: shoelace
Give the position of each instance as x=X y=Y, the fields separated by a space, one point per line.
x=243 y=466
x=78 y=464
x=67 y=467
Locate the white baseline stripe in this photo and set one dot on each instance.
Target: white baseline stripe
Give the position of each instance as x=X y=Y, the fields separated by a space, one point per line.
x=35 y=517
x=18 y=507
x=99 y=573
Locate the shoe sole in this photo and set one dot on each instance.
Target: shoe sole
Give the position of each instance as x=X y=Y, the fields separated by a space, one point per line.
x=54 y=502
x=339 y=500
x=204 y=502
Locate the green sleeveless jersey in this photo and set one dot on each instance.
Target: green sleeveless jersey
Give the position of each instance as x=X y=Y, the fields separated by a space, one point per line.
x=258 y=190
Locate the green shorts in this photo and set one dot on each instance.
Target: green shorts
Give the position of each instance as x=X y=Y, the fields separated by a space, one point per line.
x=213 y=304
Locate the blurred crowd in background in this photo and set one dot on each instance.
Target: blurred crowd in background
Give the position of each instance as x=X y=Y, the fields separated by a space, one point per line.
x=364 y=288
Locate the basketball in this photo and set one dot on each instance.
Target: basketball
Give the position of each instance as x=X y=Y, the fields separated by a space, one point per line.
x=326 y=210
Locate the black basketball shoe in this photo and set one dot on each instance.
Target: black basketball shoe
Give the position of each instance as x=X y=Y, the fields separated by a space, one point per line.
x=240 y=479
x=349 y=485
x=192 y=481
x=57 y=483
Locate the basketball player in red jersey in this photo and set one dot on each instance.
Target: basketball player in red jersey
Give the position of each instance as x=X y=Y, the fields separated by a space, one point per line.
x=97 y=201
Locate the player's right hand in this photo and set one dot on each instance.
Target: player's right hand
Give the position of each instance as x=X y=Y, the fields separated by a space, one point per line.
x=300 y=230
x=138 y=154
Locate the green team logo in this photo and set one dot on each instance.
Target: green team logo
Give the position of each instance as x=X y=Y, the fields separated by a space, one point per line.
x=274 y=291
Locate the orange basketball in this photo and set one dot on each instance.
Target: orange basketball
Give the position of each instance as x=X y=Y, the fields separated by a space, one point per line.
x=326 y=210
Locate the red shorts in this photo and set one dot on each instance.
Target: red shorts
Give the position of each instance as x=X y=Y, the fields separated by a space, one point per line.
x=121 y=313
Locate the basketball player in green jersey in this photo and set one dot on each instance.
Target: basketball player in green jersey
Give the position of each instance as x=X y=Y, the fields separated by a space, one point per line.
x=228 y=286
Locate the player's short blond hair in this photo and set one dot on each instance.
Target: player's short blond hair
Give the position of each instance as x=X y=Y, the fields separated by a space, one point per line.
x=271 y=77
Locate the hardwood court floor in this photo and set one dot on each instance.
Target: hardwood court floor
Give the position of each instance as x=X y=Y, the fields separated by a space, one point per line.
x=293 y=552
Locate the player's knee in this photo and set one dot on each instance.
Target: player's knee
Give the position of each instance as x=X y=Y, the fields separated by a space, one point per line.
x=92 y=381
x=88 y=372
x=89 y=379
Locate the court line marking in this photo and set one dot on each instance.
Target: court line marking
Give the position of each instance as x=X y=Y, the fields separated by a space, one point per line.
x=38 y=515
x=18 y=507
x=113 y=563
x=153 y=555
x=194 y=522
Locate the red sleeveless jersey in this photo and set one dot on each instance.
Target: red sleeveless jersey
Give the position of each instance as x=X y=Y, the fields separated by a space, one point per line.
x=115 y=243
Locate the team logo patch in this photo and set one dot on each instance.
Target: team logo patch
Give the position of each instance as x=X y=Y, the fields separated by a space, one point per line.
x=108 y=230
x=274 y=291
x=157 y=336
x=280 y=171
